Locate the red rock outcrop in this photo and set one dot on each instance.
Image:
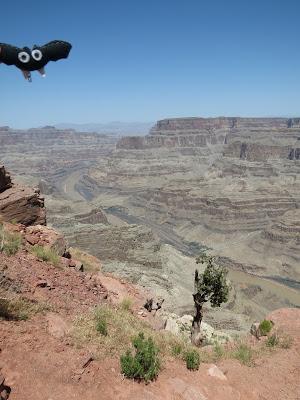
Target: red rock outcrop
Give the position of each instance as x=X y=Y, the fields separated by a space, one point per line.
x=5 y=181
x=19 y=203
x=45 y=236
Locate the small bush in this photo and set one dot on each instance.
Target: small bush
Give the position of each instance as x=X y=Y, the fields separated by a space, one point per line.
x=101 y=326
x=192 y=359
x=46 y=254
x=144 y=364
x=265 y=327
x=244 y=354
x=176 y=349
x=272 y=341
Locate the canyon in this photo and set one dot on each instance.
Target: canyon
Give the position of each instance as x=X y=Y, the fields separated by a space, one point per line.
x=50 y=344
x=146 y=206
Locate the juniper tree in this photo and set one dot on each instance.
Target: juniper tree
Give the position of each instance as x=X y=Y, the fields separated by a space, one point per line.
x=210 y=286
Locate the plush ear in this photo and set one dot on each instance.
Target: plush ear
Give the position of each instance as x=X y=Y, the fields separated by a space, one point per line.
x=56 y=50
x=9 y=54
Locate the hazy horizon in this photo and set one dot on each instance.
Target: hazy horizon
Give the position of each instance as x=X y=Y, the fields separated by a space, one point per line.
x=122 y=122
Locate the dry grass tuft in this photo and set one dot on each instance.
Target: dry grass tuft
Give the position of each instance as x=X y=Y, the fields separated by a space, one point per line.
x=10 y=242
x=46 y=254
x=121 y=326
x=20 y=309
x=110 y=331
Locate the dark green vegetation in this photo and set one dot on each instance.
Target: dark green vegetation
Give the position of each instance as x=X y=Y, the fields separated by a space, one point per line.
x=144 y=364
x=192 y=360
x=101 y=325
x=265 y=327
x=211 y=285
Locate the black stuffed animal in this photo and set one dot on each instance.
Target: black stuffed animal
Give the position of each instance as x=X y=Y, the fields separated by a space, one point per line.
x=34 y=60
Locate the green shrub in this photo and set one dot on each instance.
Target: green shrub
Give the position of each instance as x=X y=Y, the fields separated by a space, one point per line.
x=272 y=340
x=244 y=354
x=192 y=359
x=46 y=254
x=144 y=364
x=265 y=327
x=101 y=326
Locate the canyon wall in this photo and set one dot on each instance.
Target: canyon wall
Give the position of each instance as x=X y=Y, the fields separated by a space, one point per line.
x=247 y=138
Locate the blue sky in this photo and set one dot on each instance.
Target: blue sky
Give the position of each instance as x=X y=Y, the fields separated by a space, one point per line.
x=136 y=60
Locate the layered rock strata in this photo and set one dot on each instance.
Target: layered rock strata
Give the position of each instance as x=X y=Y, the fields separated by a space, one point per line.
x=19 y=203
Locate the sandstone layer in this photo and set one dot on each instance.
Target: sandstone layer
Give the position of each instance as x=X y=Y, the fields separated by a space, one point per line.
x=20 y=203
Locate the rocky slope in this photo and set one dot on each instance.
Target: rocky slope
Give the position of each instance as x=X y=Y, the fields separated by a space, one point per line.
x=41 y=358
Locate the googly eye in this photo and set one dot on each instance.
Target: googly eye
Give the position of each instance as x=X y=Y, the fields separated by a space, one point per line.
x=37 y=54
x=24 y=57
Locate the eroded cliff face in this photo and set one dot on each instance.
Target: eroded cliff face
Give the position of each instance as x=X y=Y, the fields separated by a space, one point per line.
x=254 y=139
x=231 y=184
x=185 y=124
x=19 y=203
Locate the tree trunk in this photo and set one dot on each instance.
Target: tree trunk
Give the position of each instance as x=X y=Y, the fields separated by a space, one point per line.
x=196 y=325
x=199 y=300
x=198 y=316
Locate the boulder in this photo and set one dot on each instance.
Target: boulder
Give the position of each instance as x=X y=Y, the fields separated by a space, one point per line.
x=215 y=372
x=72 y=263
x=4 y=388
x=184 y=390
x=254 y=330
x=182 y=326
x=172 y=326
